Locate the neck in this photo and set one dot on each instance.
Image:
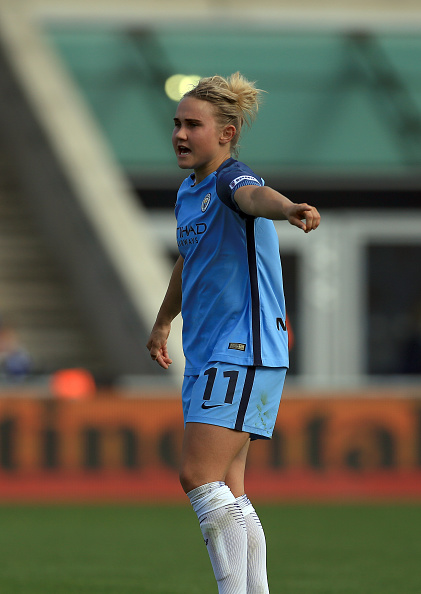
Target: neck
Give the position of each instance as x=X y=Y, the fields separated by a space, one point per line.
x=201 y=173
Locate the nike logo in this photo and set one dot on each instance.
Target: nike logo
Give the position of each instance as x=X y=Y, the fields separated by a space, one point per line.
x=210 y=405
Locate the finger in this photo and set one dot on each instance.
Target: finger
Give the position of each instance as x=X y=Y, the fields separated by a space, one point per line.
x=155 y=353
x=161 y=362
x=164 y=362
x=309 y=221
x=298 y=219
x=302 y=216
x=153 y=350
x=315 y=220
x=160 y=355
x=312 y=218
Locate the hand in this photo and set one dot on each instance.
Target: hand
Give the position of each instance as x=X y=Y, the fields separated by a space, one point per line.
x=157 y=345
x=298 y=213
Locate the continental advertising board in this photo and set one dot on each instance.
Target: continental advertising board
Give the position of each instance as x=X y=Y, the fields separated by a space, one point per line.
x=120 y=445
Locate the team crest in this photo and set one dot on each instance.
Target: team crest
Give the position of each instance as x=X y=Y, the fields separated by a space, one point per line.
x=206 y=202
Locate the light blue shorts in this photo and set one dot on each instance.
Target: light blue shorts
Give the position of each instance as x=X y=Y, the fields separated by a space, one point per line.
x=234 y=396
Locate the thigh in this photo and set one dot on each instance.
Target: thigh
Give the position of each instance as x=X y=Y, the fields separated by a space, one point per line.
x=234 y=478
x=208 y=453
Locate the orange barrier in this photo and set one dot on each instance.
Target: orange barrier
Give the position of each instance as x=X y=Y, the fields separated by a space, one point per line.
x=367 y=444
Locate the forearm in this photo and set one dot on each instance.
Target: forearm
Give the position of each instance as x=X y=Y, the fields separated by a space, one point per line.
x=171 y=304
x=263 y=201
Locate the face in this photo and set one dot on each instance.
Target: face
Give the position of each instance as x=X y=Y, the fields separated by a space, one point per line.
x=200 y=143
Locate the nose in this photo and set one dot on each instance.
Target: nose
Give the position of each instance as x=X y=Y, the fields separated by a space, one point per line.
x=180 y=132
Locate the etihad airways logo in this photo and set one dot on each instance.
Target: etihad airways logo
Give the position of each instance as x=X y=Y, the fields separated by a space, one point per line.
x=190 y=234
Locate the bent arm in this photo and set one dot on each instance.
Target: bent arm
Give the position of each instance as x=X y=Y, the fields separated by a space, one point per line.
x=170 y=308
x=263 y=201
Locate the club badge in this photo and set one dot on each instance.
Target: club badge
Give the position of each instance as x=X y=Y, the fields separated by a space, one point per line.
x=206 y=202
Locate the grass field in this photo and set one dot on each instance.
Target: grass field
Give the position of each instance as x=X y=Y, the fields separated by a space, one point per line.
x=313 y=549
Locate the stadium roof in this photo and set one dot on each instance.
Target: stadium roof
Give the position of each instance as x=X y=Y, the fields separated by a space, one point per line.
x=342 y=102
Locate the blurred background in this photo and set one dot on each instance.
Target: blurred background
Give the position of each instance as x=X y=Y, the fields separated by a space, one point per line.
x=88 y=183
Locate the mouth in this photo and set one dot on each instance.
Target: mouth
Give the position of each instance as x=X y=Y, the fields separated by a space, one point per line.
x=182 y=150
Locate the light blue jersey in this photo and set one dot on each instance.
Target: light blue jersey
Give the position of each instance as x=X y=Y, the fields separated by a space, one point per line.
x=233 y=305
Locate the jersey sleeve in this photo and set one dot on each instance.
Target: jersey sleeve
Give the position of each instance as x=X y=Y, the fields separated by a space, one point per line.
x=232 y=177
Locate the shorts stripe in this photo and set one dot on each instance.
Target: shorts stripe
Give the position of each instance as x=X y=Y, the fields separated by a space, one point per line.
x=245 y=397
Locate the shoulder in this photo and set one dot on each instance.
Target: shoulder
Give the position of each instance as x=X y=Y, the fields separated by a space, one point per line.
x=234 y=172
x=232 y=175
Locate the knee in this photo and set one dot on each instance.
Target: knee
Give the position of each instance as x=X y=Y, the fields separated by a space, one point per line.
x=192 y=476
x=189 y=479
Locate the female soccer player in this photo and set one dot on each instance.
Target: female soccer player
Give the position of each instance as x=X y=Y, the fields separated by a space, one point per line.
x=227 y=283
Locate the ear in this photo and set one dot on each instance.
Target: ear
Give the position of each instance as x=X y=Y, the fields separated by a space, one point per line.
x=227 y=134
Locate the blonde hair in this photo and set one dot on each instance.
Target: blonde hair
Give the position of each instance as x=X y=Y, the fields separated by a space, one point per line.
x=236 y=101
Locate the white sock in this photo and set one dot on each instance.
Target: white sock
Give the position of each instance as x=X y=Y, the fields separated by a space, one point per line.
x=223 y=528
x=257 y=581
